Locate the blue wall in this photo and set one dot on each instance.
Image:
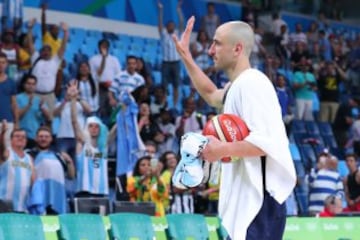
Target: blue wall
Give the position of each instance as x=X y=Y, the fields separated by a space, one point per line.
x=139 y=11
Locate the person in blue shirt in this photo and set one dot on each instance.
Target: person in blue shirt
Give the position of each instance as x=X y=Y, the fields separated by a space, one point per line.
x=31 y=109
x=8 y=109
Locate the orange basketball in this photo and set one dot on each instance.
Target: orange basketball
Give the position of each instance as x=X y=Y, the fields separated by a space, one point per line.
x=226 y=127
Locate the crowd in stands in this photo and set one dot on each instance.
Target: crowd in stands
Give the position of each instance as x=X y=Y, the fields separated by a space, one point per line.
x=57 y=132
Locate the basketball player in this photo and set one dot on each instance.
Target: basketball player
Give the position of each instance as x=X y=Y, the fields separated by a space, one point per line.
x=16 y=169
x=253 y=190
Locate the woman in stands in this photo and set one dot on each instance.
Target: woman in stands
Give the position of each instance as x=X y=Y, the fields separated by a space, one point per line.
x=88 y=89
x=146 y=185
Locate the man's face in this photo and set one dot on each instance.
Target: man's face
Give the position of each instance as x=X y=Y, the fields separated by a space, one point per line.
x=30 y=85
x=221 y=50
x=3 y=64
x=54 y=30
x=351 y=162
x=94 y=129
x=18 y=139
x=43 y=139
x=131 y=65
x=46 y=52
x=170 y=27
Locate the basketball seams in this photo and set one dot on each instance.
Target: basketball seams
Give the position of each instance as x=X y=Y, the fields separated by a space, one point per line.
x=218 y=129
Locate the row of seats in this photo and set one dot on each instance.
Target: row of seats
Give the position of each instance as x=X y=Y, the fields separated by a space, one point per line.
x=91 y=227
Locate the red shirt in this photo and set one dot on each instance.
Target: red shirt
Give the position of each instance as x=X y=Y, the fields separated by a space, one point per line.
x=326 y=213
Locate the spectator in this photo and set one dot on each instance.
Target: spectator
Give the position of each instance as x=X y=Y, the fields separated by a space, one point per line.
x=352 y=184
x=170 y=71
x=148 y=127
x=353 y=71
x=281 y=46
x=210 y=21
x=145 y=71
x=160 y=101
x=66 y=141
x=332 y=206
x=8 y=109
x=345 y=116
x=299 y=55
x=304 y=85
x=277 y=24
x=326 y=181
x=104 y=68
x=180 y=200
x=298 y=36
x=127 y=81
x=50 y=35
x=11 y=50
x=45 y=68
x=329 y=92
x=325 y=46
x=32 y=111
x=199 y=51
x=142 y=94
x=25 y=49
x=91 y=153
x=259 y=51
x=286 y=101
x=167 y=127
x=12 y=11
x=146 y=185
x=312 y=35
x=16 y=169
x=88 y=88
x=190 y=121
x=50 y=167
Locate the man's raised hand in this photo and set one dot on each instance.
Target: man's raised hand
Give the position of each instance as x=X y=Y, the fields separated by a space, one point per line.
x=182 y=45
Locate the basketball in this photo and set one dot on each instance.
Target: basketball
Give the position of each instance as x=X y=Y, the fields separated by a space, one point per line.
x=228 y=128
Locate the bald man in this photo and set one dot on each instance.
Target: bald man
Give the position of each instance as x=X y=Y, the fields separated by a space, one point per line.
x=254 y=188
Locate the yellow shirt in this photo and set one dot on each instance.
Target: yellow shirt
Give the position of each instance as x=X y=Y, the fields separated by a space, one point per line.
x=53 y=43
x=166 y=177
x=149 y=191
x=24 y=57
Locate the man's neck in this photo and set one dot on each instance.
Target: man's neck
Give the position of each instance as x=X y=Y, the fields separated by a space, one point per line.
x=19 y=151
x=237 y=69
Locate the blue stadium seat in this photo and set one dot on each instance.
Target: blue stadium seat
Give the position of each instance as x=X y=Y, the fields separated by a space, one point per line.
x=302 y=200
x=156 y=77
x=308 y=156
x=295 y=153
x=330 y=141
x=300 y=169
x=325 y=128
x=312 y=127
x=298 y=126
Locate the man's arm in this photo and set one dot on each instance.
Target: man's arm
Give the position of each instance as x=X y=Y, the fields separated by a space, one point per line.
x=64 y=41
x=180 y=16
x=69 y=164
x=14 y=110
x=4 y=154
x=30 y=36
x=217 y=149
x=160 y=17
x=206 y=88
x=43 y=19
x=74 y=121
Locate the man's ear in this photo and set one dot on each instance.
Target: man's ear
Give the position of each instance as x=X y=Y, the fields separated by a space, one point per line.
x=238 y=49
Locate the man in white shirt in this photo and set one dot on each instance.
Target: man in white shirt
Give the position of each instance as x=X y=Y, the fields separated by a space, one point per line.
x=254 y=188
x=277 y=22
x=127 y=81
x=45 y=68
x=104 y=67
